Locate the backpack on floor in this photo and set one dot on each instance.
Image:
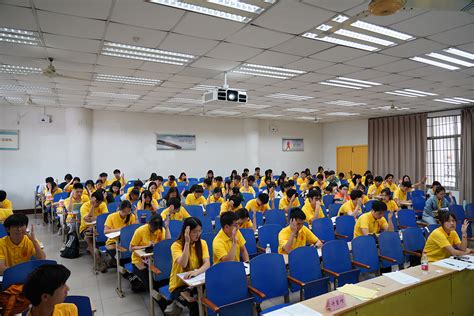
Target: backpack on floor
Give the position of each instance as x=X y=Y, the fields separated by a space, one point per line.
x=137 y=285
x=71 y=246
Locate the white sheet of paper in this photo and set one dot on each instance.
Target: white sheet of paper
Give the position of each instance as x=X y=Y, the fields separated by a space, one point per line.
x=113 y=235
x=295 y=310
x=452 y=264
x=401 y=277
x=197 y=280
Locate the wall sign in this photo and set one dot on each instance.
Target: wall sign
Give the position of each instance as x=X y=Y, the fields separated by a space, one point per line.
x=175 y=142
x=292 y=144
x=9 y=139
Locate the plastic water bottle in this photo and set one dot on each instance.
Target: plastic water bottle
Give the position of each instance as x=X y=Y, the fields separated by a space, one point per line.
x=268 y=249
x=424 y=263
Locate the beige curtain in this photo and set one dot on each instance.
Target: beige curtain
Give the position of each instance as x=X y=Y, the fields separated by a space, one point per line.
x=397 y=145
x=467 y=161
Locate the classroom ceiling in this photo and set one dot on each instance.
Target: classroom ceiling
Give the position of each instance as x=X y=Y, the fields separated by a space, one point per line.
x=171 y=53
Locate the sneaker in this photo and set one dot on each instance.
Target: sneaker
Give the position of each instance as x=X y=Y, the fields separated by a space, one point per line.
x=171 y=308
x=60 y=231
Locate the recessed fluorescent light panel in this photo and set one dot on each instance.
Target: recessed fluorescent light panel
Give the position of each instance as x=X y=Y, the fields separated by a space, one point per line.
x=185 y=100
x=126 y=79
x=254 y=106
x=388 y=107
x=268 y=71
x=449 y=58
x=115 y=95
x=145 y=53
x=168 y=109
x=267 y=115
x=234 y=10
x=19 y=70
x=15 y=100
x=308 y=118
x=341 y=114
x=16 y=36
x=222 y=112
x=349 y=83
x=302 y=110
x=345 y=103
x=27 y=89
x=204 y=87
x=292 y=97
x=359 y=34
x=455 y=100
x=410 y=93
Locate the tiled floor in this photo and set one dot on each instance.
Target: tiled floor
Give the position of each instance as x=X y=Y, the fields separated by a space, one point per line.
x=101 y=287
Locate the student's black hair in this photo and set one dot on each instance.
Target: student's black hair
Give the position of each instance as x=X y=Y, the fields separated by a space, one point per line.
x=368 y=179
x=153 y=177
x=326 y=173
x=313 y=193
x=146 y=194
x=16 y=220
x=210 y=171
x=116 y=171
x=123 y=205
x=235 y=190
x=341 y=175
x=332 y=172
x=308 y=172
x=89 y=182
x=103 y=174
x=387 y=192
x=228 y=218
x=320 y=177
x=406 y=176
x=171 y=190
x=159 y=178
x=379 y=206
x=186 y=193
x=320 y=168
x=406 y=184
x=152 y=184
x=355 y=177
x=439 y=189
x=68 y=177
x=271 y=185
x=257 y=168
x=135 y=192
x=3 y=195
x=78 y=186
x=251 y=178
x=343 y=186
x=99 y=181
x=198 y=189
x=192 y=188
x=244 y=175
x=236 y=199
x=246 y=170
x=361 y=187
x=355 y=194
x=242 y=213
x=49 y=180
x=45 y=279
x=76 y=179
x=115 y=184
x=183 y=174
x=378 y=179
x=138 y=184
x=280 y=180
x=297 y=213
x=192 y=223
x=290 y=193
x=99 y=195
x=263 y=197
x=156 y=222
x=208 y=181
x=367 y=172
x=175 y=202
x=217 y=190
x=218 y=178
x=237 y=177
x=436 y=183
x=311 y=181
x=171 y=178
x=303 y=172
x=443 y=216
x=297 y=173
x=388 y=176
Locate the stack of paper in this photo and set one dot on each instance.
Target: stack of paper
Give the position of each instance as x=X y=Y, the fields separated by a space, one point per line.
x=452 y=264
x=401 y=278
x=194 y=281
x=113 y=235
x=295 y=310
x=358 y=292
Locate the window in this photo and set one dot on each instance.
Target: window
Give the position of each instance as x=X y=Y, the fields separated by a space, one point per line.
x=443 y=156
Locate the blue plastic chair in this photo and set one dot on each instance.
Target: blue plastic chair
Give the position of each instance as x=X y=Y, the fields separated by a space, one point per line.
x=268 y=275
x=406 y=218
x=259 y=218
x=368 y=206
x=100 y=239
x=250 y=241
x=275 y=217
x=162 y=263
x=364 y=250
x=175 y=228
x=345 y=227
x=323 y=229
x=394 y=221
x=206 y=225
x=248 y=196
x=18 y=274
x=338 y=265
x=195 y=211
x=126 y=234
x=413 y=241
x=334 y=209
x=470 y=211
x=3 y=231
x=328 y=200
x=430 y=228
x=83 y=304
x=417 y=193
x=268 y=234
x=418 y=205
x=277 y=203
x=112 y=207
x=458 y=230
x=209 y=238
x=305 y=273
x=222 y=299
x=391 y=247
x=458 y=211
x=213 y=210
x=143 y=216
x=117 y=199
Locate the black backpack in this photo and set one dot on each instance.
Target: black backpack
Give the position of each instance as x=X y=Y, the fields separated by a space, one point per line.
x=71 y=246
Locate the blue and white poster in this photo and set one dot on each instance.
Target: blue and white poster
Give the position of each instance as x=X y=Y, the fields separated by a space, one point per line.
x=9 y=139
x=175 y=142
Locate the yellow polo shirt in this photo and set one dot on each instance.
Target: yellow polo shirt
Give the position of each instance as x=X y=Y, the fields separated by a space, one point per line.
x=222 y=244
x=6 y=209
x=86 y=207
x=304 y=236
x=252 y=205
x=437 y=241
x=154 y=204
x=212 y=199
x=347 y=207
x=181 y=215
x=157 y=194
x=63 y=309
x=248 y=190
x=284 y=202
x=131 y=188
x=247 y=224
x=57 y=191
x=13 y=254
x=171 y=185
x=84 y=199
x=114 y=221
x=193 y=262
x=309 y=211
x=226 y=207
x=375 y=190
x=391 y=205
x=192 y=200
x=300 y=181
x=393 y=187
x=368 y=221
x=400 y=195
x=321 y=186
x=143 y=237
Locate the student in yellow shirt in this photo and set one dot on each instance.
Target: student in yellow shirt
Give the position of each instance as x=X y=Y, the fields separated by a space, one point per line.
x=67 y=179
x=116 y=221
x=218 y=182
x=342 y=195
x=236 y=181
x=119 y=176
x=147 y=202
x=183 y=178
x=216 y=196
x=251 y=180
x=155 y=193
x=46 y=289
x=190 y=254
x=147 y=236
x=290 y=201
x=374 y=222
x=244 y=219
x=256 y=173
x=301 y=179
x=368 y=180
x=375 y=190
x=207 y=185
x=196 y=198
x=444 y=240
x=400 y=194
x=175 y=211
x=246 y=188
x=137 y=185
x=388 y=183
x=18 y=246
x=387 y=199
x=320 y=183
x=68 y=187
x=99 y=184
x=233 y=204
x=364 y=177
x=113 y=191
x=73 y=202
x=296 y=234
x=356 y=179
x=352 y=207
x=267 y=178
x=312 y=206
x=50 y=191
x=361 y=188
x=133 y=196
x=171 y=182
x=229 y=243
x=6 y=207
x=103 y=177
x=420 y=184
x=260 y=204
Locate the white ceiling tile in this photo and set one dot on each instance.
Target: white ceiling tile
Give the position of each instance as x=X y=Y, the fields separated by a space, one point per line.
x=199 y=72
x=159 y=67
x=336 y=6
x=206 y=26
x=85 y=8
x=215 y=64
x=70 y=25
x=17 y=17
x=400 y=65
x=301 y=46
x=368 y=74
x=412 y=83
x=259 y=37
x=339 y=69
x=309 y=64
x=187 y=44
x=22 y=50
x=339 y=54
x=233 y=52
x=372 y=60
x=416 y=47
x=423 y=71
x=172 y=84
x=67 y=55
x=273 y=59
x=127 y=34
x=289 y=84
x=119 y=62
x=456 y=36
x=71 y=43
x=186 y=79
x=21 y=3
x=313 y=77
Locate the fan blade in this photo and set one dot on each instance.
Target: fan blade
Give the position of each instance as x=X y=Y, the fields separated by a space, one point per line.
x=445 y=5
x=70 y=77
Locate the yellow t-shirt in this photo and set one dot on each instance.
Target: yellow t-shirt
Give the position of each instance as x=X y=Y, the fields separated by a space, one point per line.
x=284 y=202
x=400 y=195
x=437 y=241
x=131 y=188
x=252 y=205
x=157 y=195
x=347 y=207
x=368 y=221
x=226 y=207
x=365 y=199
x=309 y=211
x=192 y=200
x=181 y=215
x=393 y=187
x=143 y=237
x=300 y=181
x=212 y=199
x=375 y=190
x=222 y=244
x=154 y=204
x=114 y=221
x=6 y=209
x=247 y=224
x=63 y=309
x=57 y=191
x=171 y=185
x=321 y=186
x=84 y=199
x=248 y=190
x=304 y=236
x=86 y=207
x=391 y=205
x=13 y=254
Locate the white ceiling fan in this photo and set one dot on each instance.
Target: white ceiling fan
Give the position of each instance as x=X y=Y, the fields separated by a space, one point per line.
x=50 y=72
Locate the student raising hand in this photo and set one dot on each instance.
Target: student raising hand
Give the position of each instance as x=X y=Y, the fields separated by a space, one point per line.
x=31 y=235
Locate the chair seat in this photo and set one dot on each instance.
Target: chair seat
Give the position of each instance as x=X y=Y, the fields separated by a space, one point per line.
x=129 y=267
x=274 y=308
x=164 y=292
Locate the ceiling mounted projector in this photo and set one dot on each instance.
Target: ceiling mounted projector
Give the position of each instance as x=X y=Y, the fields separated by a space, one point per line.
x=225 y=94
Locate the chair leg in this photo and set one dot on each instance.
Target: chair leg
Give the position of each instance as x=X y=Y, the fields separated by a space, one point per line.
x=119 y=278
x=287 y=298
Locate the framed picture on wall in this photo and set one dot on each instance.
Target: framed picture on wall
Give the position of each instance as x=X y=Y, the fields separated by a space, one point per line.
x=9 y=139
x=175 y=142
x=292 y=144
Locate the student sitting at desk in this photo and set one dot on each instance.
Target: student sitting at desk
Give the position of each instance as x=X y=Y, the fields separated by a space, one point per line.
x=171 y=182
x=46 y=289
x=18 y=246
x=113 y=191
x=6 y=208
x=175 y=211
x=189 y=254
x=147 y=202
x=388 y=182
x=232 y=205
x=229 y=242
x=119 y=176
x=312 y=206
x=387 y=199
x=246 y=188
x=216 y=196
x=374 y=222
x=259 y=204
x=291 y=200
x=74 y=202
x=376 y=189
x=435 y=203
x=342 y=194
x=155 y=193
x=400 y=195
x=352 y=207
x=196 y=198
x=116 y=221
x=296 y=234
x=444 y=240
x=244 y=219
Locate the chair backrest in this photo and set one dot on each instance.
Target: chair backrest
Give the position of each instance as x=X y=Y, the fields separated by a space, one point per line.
x=112 y=207
x=458 y=230
x=334 y=209
x=391 y=246
x=117 y=199
x=259 y=216
x=417 y=193
x=192 y=181
x=213 y=209
x=275 y=217
x=303 y=263
x=126 y=234
x=3 y=231
x=368 y=206
x=336 y=256
x=217 y=224
x=195 y=211
x=418 y=203
x=323 y=229
x=162 y=259
x=221 y=294
x=247 y=196
x=250 y=240
x=364 y=250
x=458 y=211
x=268 y=275
x=209 y=238
x=175 y=228
x=143 y=216
x=83 y=303
x=328 y=200
x=100 y=225
x=394 y=221
x=413 y=239
x=407 y=217
x=206 y=224
x=345 y=226
x=470 y=210
x=277 y=203
x=268 y=234
x=17 y=274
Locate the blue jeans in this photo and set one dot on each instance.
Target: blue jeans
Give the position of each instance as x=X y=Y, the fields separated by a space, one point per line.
x=427 y=218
